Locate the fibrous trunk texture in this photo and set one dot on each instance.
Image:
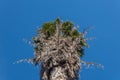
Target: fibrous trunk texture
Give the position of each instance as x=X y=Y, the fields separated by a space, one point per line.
x=59 y=53
x=60 y=60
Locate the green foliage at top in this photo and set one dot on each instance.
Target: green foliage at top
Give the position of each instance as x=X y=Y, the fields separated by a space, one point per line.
x=49 y=29
x=67 y=28
x=75 y=34
x=57 y=21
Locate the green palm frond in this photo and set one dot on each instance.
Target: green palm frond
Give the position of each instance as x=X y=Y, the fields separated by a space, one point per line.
x=67 y=28
x=57 y=21
x=75 y=34
x=49 y=29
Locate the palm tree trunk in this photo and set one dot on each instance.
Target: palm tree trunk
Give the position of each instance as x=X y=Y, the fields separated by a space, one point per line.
x=58 y=52
x=60 y=70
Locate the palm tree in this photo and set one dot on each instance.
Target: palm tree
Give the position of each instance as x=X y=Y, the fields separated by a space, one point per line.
x=59 y=47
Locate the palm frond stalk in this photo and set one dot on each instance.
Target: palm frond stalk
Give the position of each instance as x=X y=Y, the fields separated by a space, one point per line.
x=59 y=46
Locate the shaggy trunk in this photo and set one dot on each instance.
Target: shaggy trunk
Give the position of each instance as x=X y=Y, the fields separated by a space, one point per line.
x=59 y=47
x=63 y=71
x=59 y=63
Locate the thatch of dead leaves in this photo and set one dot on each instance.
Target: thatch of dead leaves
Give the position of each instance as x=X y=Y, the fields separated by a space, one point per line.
x=59 y=46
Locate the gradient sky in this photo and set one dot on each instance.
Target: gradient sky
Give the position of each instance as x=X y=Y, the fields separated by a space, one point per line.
x=20 y=19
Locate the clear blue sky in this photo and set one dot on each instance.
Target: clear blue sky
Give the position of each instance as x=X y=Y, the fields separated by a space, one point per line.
x=19 y=19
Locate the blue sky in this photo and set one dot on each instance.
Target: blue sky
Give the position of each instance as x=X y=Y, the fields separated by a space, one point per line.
x=20 y=19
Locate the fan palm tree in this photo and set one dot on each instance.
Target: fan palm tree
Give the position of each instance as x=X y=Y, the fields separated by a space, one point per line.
x=59 y=47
